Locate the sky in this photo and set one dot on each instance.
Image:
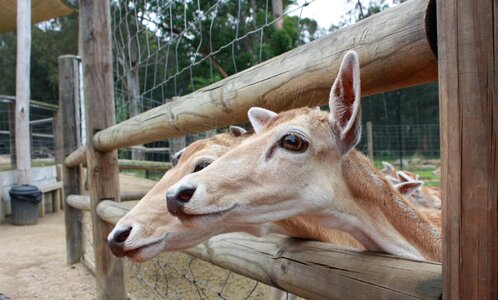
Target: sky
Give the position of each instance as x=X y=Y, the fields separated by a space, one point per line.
x=327 y=12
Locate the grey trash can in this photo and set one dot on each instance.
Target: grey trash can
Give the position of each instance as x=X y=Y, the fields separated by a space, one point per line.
x=24 y=202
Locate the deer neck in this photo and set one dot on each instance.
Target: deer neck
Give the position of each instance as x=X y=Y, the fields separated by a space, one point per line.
x=310 y=228
x=396 y=226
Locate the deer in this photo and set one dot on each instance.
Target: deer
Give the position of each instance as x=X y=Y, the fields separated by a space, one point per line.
x=149 y=229
x=302 y=162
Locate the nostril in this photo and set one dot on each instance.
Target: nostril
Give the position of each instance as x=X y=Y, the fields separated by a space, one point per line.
x=121 y=236
x=185 y=195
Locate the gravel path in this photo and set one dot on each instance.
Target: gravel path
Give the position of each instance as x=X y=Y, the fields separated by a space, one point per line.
x=33 y=258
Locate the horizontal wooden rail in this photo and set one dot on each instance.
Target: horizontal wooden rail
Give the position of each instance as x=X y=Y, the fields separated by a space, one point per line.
x=50 y=186
x=76 y=158
x=41 y=121
x=32 y=103
x=111 y=211
x=130 y=196
x=81 y=202
x=42 y=135
x=289 y=264
x=149 y=150
x=79 y=156
x=126 y=164
x=394 y=48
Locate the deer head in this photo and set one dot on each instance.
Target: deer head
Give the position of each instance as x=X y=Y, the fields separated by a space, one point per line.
x=148 y=228
x=300 y=163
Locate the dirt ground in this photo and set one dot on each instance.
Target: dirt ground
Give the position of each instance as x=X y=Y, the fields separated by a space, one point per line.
x=32 y=258
x=32 y=266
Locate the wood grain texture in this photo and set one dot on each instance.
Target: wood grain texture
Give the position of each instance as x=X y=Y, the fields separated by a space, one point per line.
x=309 y=269
x=70 y=141
x=76 y=158
x=81 y=202
x=103 y=173
x=12 y=134
x=394 y=53
x=126 y=164
x=468 y=88
x=23 y=148
x=130 y=196
x=315 y=270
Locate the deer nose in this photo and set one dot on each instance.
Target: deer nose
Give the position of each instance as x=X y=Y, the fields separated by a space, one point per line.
x=176 y=200
x=116 y=243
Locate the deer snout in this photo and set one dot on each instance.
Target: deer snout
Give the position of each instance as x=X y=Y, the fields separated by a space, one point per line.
x=176 y=199
x=117 y=239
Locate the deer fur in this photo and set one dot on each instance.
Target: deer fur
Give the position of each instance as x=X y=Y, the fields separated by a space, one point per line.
x=328 y=183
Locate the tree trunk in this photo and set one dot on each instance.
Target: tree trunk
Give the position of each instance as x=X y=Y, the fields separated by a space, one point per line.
x=277 y=11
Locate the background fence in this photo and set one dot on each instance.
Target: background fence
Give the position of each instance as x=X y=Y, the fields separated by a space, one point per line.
x=41 y=133
x=164 y=50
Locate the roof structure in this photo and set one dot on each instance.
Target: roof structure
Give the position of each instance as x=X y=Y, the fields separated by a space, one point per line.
x=41 y=10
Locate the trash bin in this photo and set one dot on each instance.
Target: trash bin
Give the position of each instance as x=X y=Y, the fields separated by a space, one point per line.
x=24 y=202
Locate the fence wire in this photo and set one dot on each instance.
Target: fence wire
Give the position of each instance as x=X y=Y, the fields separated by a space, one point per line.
x=41 y=135
x=167 y=49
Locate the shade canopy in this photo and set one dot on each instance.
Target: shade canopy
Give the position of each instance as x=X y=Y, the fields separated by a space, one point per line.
x=41 y=10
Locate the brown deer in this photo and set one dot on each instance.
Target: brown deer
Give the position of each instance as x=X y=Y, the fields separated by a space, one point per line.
x=302 y=163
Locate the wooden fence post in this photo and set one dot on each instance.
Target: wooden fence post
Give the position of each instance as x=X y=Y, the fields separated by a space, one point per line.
x=95 y=34
x=175 y=145
x=69 y=129
x=468 y=91
x=370 y=141
x=23 y=155
x=12 y=134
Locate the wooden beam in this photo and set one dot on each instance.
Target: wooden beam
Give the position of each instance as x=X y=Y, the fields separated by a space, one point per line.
x=70 y=141
x=23 y=147
x=111 y=211
x=312 y=270
x=394 y=52
x=32 y=103
x=103 y=173
x=126 y=164
x=12 y=134
x=315 y=270
x=41 y=121
x=76 y=158
x=80 y=202
x=130 y=196
x=468 y=91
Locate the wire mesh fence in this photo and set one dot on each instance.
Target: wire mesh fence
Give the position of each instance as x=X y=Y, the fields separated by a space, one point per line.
x=167 y=49
x=402 y=142
x=41 y=134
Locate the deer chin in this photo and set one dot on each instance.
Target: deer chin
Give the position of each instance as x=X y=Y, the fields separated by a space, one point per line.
x=146 y=252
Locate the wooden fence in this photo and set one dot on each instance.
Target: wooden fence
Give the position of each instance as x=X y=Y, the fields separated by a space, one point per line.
x=397 y=49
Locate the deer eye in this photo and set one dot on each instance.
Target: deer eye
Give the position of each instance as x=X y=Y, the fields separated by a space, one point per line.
x=294 y=143
x=201 y=165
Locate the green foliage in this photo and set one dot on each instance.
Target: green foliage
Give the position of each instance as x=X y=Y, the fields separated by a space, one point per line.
x=49 y=40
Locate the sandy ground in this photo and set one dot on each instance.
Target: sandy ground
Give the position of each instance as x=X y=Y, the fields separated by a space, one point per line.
x=32 y=258
x=32 y=266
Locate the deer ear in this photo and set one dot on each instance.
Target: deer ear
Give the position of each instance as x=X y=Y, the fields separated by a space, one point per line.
x=259 y=117
x=392 y=180
x=176 y=157
x=409 y=187
x=344 y=103
x=237 y=131
x=403 y=177
x=388 y=168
